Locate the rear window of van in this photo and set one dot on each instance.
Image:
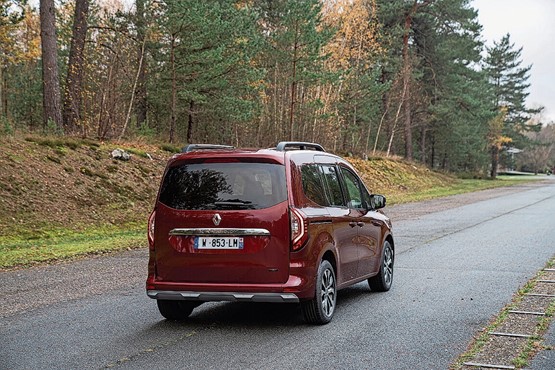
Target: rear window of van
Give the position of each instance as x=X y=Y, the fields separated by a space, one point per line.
x=223 y=186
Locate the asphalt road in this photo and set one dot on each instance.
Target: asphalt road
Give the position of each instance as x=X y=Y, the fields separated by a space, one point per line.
x=455 y=268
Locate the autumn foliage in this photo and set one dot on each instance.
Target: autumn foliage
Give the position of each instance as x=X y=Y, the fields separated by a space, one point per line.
x=403 y=78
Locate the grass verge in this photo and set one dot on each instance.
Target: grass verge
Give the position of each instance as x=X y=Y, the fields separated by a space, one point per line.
x=459 y=187
x=40 y=246
x=67 y=244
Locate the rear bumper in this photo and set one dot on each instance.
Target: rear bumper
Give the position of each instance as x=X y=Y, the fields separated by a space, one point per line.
x=223 y=296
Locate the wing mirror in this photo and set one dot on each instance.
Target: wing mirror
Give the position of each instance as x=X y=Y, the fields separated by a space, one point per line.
x=377 y=201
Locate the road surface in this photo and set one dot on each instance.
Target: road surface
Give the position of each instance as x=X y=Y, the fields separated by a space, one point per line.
x=457 y=264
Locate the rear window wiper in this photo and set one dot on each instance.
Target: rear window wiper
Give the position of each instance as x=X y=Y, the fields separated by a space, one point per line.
x=236 y=203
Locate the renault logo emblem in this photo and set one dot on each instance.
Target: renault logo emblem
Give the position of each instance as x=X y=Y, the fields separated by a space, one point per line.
x=217 y=219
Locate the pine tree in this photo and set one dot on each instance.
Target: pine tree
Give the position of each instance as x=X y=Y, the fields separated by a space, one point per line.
x=204 y=67
x=74 y=79
x=454 y=93
x=52 y=108
x=295 y=35
x=509 y=82
x=398 y=17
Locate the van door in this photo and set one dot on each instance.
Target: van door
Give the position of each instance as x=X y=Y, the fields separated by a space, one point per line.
x=344 y=224
x=223 y=222
x=368 y=231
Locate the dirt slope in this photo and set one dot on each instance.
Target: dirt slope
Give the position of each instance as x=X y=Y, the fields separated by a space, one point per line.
x=48 y=183
x=394 y=177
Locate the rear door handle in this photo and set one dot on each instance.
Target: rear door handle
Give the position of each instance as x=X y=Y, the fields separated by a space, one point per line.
x=360 y=224
x=352 y=224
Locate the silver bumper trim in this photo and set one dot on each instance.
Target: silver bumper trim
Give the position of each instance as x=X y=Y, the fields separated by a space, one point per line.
x=222 y=296
x=220 y=232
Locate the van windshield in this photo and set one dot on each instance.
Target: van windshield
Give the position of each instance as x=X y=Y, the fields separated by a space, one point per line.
x=224 y=186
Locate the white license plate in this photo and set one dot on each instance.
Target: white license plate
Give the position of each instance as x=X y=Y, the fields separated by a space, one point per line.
x=202 y=242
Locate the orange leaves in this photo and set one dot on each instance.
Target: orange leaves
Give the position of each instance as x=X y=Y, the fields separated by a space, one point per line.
x=20 y=42
x=356 y=40
x=495 y=136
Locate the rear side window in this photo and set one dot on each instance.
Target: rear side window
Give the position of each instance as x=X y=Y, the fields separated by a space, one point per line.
x=223 y=186
x=321 y=184
x=312 y=184
x=331 y=177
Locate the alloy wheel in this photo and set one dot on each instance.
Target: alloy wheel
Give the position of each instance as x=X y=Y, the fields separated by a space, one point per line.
x=328 y=292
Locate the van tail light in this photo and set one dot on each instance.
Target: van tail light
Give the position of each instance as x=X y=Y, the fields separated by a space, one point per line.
x=299 y=226
x=151 y=230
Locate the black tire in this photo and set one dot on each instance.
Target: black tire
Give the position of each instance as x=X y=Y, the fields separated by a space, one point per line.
x=382 y=282
x=176 y=310
x=320 y=309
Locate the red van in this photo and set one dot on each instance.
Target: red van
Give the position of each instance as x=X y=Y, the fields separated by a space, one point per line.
x=287 y=224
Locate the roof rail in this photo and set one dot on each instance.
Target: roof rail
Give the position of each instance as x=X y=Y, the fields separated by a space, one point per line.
x=298 y=145
x=193 y=147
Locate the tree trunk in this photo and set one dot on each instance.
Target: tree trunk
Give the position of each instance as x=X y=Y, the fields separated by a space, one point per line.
x=128 y=116
x=74 y=80
x=3 y=94
x=141 y=93
x=433 y=153
x=190 y=122
x=494 y=161
x=423 y=144
x=293 y=85
x=52 y=110
x=173 y=108
x=407 y=70
x=406 y=85
x=103 y=126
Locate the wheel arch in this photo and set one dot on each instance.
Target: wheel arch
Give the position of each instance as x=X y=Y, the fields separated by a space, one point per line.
x=330 y=257
x=389 y=238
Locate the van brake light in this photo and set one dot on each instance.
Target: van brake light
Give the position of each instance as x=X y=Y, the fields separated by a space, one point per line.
x=298 y=229
x=151 y=230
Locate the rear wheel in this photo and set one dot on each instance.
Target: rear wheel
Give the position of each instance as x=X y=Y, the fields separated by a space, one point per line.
x=320 y=309
x=382 y=282
x=176 y=310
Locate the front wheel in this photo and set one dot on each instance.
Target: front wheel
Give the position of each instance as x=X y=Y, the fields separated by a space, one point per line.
x=320 y=309
x=176 y=310
x=382 y=282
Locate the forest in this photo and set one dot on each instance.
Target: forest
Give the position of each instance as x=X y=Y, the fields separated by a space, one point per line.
x=405 y=78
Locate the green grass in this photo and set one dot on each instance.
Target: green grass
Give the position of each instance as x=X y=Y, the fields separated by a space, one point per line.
x=55 y=142
x=138 y=152
x=170 y=148
x=460 y=187
x=60 y=244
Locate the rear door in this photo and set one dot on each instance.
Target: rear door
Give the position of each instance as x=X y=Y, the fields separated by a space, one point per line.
x=221 y=221
x=368 y=228
x=344 y=225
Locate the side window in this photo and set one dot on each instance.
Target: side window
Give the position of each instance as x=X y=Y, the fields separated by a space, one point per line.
x=365 y=197
x=331 y=178
x=312 y=184
x=354 y=194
